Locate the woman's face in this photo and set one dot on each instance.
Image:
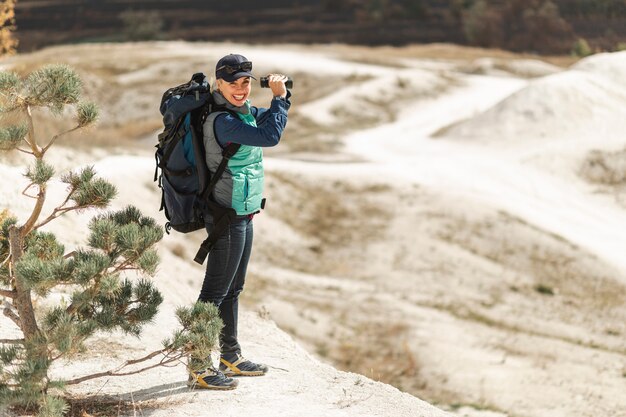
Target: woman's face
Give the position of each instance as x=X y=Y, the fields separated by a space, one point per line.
x=236 y=92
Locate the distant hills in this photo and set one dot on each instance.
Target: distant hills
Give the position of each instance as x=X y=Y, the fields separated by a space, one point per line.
x=541 y=26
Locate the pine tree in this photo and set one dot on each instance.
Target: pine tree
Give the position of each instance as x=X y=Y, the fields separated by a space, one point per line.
x=33 y=263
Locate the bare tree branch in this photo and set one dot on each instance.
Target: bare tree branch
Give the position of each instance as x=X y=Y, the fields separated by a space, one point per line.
x=126 y=265
x=58 y=212
x=8 y=293
x=26 y=189
x=10 y=314
x=7 y=259
x=55 y=137
x=25 y=151
x=31 y=133
x=115 y=372
x=41 y=198
x=12 y=341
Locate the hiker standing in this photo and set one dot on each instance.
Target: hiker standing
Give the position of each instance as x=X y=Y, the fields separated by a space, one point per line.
x=240 y=187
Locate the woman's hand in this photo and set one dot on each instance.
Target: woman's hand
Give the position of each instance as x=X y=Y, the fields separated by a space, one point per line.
x=276 y=83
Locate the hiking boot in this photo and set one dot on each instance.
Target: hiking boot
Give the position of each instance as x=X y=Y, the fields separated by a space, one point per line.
x=237 y=365
x=210 y=378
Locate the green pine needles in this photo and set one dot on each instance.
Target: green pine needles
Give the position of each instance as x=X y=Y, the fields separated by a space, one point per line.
x=105 y=284
x=12 y=136
x=201 y=326
x=53 y=86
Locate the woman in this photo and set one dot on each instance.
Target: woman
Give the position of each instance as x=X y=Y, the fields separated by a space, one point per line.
x=239 y=187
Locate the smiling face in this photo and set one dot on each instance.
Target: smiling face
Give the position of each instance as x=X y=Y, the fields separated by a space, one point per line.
x=236 y=92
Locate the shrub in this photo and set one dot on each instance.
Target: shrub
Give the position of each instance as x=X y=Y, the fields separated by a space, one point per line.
x=581 y=48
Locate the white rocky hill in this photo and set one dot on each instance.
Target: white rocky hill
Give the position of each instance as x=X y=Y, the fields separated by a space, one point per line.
x=474 y=268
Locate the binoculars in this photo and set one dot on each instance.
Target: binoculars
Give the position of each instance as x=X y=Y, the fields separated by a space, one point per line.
x=265 y=82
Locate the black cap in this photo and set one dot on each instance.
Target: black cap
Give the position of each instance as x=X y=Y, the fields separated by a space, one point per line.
x=232 y=67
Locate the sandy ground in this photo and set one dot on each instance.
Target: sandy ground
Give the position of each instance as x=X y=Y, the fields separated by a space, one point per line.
x=428 y=226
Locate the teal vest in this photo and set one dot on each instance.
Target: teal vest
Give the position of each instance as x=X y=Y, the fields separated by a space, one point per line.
x=241 y=184
x=246 y=167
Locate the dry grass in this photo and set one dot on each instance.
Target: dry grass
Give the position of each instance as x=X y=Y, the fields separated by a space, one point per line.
x=304 y=135
x=100 y=406
x=572 y=286
x=179 y=250
x=256 y=289
x=363 y=112
x=109 y=406
x=336 y=216
x=309 y=87
x=606 y=168
x=380 y=351
x=437 y=51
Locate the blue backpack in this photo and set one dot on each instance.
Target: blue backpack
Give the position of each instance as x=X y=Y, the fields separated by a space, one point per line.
x=185 y=180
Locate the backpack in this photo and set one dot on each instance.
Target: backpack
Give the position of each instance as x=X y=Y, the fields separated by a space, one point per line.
x=185 y=181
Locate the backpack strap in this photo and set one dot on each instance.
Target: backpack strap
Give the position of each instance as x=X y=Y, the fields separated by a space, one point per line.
x=227 y=153
x=222 y=216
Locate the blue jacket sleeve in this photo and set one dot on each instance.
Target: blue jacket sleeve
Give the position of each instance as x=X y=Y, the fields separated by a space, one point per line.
x=270 y=125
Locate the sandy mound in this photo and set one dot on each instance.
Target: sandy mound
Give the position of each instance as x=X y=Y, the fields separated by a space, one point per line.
x=526 y=68
x=589 y=99
x=610 y=65
x=374 y=99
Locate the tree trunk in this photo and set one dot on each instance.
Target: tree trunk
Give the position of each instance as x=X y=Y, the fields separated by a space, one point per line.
x=22 y=302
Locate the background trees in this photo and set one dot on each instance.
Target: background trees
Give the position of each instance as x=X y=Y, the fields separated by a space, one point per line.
x=602 y=23
x=518 y=25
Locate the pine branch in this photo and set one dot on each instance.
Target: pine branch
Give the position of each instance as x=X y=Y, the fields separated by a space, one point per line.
x=126 y=265
x=55 y=137
x=26 y=189
x=41 y=198
x=25 y=151
x=31 y=134
x=58 y=212
x=126 y=268
x=7 y=259
x=74 y=193
x=8 y=312
x=8 y=293
x=115 y=372
x=12 y=341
